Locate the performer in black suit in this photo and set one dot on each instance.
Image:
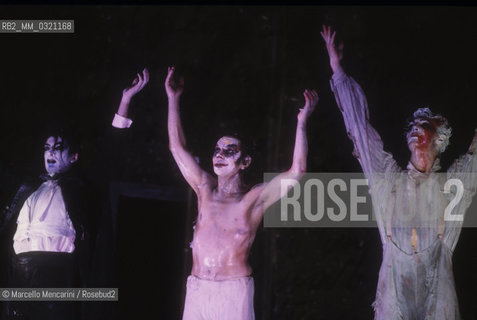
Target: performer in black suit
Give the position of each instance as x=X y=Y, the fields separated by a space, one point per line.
x=51 y=221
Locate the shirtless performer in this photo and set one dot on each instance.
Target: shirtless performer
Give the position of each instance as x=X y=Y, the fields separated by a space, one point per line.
x=220 y=286
x=415 y=279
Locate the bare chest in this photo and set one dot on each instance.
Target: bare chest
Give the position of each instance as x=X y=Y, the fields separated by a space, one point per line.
x=224 y=219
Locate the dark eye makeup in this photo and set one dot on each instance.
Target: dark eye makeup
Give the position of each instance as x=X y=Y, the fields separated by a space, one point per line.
x=427 y=126
x=56 y=147
x=227 y=152
x=59 y=147
x=423 y=124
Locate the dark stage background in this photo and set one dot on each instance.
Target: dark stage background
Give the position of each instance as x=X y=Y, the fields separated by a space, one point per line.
x=245 y=69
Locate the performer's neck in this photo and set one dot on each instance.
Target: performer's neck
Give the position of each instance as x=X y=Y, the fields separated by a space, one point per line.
x=230 y=184
x=423 y=160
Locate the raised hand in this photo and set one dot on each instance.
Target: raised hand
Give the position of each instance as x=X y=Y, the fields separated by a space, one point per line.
x=335 y=54
x=311 y=100
x=138 y=83
x=173 y=89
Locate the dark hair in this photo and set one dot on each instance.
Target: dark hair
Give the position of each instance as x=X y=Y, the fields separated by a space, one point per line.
x=69 y=138
x=245 y=146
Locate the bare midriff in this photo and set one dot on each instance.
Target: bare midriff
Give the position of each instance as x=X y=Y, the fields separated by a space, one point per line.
x=220 y=248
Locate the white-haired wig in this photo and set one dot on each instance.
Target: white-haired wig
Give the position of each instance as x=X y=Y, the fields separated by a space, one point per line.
x=442 y=126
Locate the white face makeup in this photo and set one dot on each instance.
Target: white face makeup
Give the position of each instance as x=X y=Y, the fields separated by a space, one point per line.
x=421 y=134
x=226 y=156
x=57 y=156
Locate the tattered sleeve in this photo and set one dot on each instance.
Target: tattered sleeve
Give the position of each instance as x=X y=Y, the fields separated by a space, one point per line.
x=379 y=166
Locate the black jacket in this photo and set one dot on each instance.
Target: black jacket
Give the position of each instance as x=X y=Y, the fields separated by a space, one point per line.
x=85 y=203
x=82 y=209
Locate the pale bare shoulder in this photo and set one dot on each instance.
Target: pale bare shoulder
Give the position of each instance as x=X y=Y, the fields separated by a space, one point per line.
x=209 y=182
x=254 y=194
x=254 y=191
x=254 y=202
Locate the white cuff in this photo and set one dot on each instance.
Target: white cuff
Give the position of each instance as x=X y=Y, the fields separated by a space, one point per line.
x=121 y=122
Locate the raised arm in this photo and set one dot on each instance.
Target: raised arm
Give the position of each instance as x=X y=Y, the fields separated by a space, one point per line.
x=113 y=145
x=190 y=169
x=270 y=192
x=352 y=103
x=121 y=119
x=300 y=152
x=335 y=54
x=379 y=166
